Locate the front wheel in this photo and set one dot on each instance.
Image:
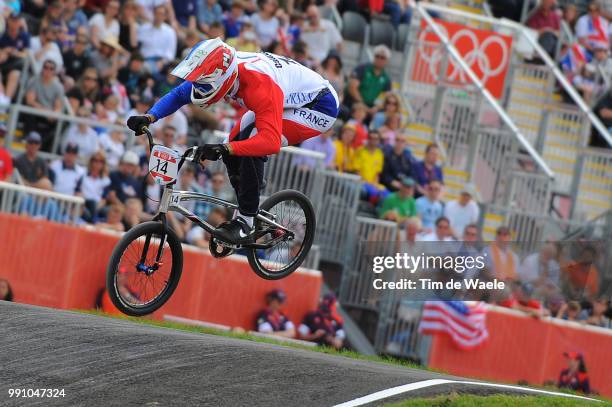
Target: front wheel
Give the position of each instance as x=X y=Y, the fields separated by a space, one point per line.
x=137 y=283
x=293 y=211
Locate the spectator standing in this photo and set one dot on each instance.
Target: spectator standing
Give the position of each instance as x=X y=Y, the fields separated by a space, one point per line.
x=428 y=170
x=324 y=325
x=345 y=160
x=399 y=206
x=320 y=35
x=575 y=376
x=94 y=183
x=31 y=167
x=105 y=25
x=322 y=144
x=6 y=292
x=398 y=162
x=265 y=22
x=158 y=41
x=45 y=92
x=124 y=183
x=272 y=320
x=13 y=47
x=209 y=12
x=369 y=80
x=500 y=259
x=66 y=174
x=429 y=207
x=463 y=211
x=592 y=28
x=547 y=22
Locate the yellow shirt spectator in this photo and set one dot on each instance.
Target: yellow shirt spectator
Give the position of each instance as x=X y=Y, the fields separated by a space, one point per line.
x=370 y=163
x=346 y=157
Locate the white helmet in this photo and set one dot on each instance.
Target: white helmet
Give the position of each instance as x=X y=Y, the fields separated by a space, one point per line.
x=212 y=68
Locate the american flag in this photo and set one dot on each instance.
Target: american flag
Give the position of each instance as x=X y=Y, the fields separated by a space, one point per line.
x=464 y=322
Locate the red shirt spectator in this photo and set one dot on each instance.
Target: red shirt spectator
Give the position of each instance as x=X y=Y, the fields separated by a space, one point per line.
x=545 y=17
x=6 y=164
x=575 y=377
x=324 y=325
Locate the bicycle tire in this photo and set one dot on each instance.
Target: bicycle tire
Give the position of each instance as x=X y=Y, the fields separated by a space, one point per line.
x=143 y=229
x=306 y=205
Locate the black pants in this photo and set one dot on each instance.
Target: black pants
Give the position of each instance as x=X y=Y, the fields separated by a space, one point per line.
x=246 y=174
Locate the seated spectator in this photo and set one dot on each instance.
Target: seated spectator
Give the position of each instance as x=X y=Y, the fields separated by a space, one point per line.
x=463 y=211
x=391 y=128
x=82 y=135
x=322 y=144
x=391 y=106
x=359 y=112
x=89 y=86
x=201 y=238
x=592 y=27
x=400 y=206
x=247 y=40
x=597 y=316
x=133 y=75
x=324 y=325
x=124 y=184
x=44 y=48
x=112 y=145
x=6 y=161
x=570 y=16
x=177 y=121
x=345 y=160
x=369 y=80
x=45 y=92
x=128 y=26
x=113 y=221
x=105 y=25
x=547 y=22
x=77 y=58
x=580 y=278
x=585 y=82
x=331 y=69
x=520 y=299
x=53 y=19
x=412 y=234
x=575 y=377
x=216 y=187
x=265 y=23
x=107 y=59
x=499 y=257
x=158 y=42
x=320 y=35
x=74 y=18
x=13 y=47
x=428 y=169
x=300 y=54
x=429 y=207
x=470 y=247
x=234 y=19
x=271 y=320
x=541 y=269
x=30 y=165
x=603 y=110
x=442 y=232
x=133 y=214
x=570 y=311
x=66 y=174
x=398 y=163
x=208 y=12
x=94 y=183
x=41 y=207
x=398 y=10
x=370 y=160
x=6 y=292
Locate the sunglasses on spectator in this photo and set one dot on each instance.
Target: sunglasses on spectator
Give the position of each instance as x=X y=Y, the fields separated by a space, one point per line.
x=392 y=102
x=381 y=56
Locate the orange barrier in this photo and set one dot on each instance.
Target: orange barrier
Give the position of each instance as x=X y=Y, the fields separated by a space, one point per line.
x=62 y=266
x=524 y=348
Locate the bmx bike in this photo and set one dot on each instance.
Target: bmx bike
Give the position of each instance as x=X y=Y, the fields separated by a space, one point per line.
x=146 y=264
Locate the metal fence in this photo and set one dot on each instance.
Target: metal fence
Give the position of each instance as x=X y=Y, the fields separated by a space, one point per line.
x=38 y=203
x=593 y=193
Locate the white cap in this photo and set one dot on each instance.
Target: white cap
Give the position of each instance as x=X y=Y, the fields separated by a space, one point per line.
x=130 y=157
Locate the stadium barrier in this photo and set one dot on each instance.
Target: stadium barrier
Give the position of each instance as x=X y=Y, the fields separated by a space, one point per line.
x=62 y=266
x=38 y=203
x=523 y=348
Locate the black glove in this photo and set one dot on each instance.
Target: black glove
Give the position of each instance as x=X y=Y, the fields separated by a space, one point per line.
x=136 y=123
x=212 y=152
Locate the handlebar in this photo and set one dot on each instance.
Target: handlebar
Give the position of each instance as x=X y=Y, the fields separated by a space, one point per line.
x=188 y=155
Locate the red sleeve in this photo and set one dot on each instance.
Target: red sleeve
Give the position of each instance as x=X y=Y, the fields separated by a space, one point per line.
x=265 y=98
x=8 y=165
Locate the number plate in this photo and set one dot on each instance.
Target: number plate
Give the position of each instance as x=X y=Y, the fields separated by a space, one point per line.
x=163 y=165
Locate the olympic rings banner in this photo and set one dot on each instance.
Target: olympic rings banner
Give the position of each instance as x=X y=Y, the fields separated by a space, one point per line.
x=486 y=52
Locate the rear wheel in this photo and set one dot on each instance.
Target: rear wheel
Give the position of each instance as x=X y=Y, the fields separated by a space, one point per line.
x=136 y=283
x=293 y=211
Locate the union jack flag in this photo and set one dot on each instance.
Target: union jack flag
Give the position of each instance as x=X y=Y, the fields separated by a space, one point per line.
x=575 y=57
x=464 y=322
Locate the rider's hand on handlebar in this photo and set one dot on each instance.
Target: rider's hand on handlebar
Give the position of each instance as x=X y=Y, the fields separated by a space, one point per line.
x=137 y=123
x=212 y=152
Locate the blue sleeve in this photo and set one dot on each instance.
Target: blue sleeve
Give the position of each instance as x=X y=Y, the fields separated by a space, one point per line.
x=172 y=101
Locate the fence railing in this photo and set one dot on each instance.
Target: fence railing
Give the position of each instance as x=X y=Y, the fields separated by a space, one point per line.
x=38 y=203
x=592 y=189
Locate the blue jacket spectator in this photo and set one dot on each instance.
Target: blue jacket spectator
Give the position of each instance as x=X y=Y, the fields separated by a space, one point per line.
x=398 y=164
x=428 y=169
